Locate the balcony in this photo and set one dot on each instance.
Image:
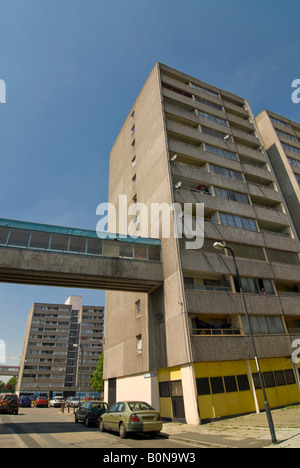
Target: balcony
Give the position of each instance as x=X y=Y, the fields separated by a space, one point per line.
x=201 y=301
x=238 y=347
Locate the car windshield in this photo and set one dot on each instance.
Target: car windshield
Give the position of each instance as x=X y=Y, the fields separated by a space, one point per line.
x=9 y=397
x=100 y=405
x=139 y=406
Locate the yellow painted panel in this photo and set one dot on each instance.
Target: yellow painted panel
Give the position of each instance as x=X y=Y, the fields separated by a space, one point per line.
x=217 y=369
x=171 y=373
x=165 y=407
x=206 y=407
x=175 y=373
x=163 y=375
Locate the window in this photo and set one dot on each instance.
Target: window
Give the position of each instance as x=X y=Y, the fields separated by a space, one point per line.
x=269 y=379
x=294 y=162
x=289 y=377
x=286 y=135
x=208 y=103
x=176 y=90
x=255 y=285
x=140 y=252
x=238 y=221
x=279 y=378
x=19 y=237
x=212 y=118
x=215 y=133
x=232 y=196
x=3 y=234
x=282 y=256
x=59 y=242
x=133 y=161
x=154 y=253
x=204 y=90
x=230 y=383
x=264 y=325
x=164 y=389
x=126 y=249
x=243 y=382
x=95 y=246
x=291 y=148
x=138 y=308
x=203 y=387
x=139 y=344
x=280 y=122
x=221 y=152
x=40 y=240
x=226 y=172
x=133 y=130
x=176 y=388
x=247 y=251
x=134 y=179
x=77 y=244
x=217 y=385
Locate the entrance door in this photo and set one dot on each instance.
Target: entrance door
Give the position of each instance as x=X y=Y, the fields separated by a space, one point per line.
x=112 y=391
x=177 y=400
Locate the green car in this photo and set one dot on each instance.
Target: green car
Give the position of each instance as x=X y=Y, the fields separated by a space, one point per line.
x=131 y=416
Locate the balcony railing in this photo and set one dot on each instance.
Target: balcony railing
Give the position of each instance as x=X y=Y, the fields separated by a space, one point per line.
x=216 y=331
x=208 y=288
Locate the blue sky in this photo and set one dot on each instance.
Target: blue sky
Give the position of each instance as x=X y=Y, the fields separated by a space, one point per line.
x=73 y=69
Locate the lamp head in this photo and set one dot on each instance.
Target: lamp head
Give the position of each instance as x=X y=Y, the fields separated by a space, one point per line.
x=219 y=246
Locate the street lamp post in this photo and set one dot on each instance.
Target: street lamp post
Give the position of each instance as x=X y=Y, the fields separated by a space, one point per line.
x=79 y=369
x=221 y=246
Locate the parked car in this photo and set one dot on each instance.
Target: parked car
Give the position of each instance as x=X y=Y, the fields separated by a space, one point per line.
x=90 y=412
x=9 y=403
x=41 y=401
x=25 y=401
x=57 y=401
x=73 y=402
x=131 y=416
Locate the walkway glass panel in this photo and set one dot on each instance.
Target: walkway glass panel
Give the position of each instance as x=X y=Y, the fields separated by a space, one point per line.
x=19 y=234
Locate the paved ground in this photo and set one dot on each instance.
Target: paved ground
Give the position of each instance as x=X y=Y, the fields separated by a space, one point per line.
x=34 y=428
x=245 y=431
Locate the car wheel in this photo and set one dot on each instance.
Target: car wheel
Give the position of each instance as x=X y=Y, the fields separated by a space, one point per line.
x=76 y=420
x=101 y=426
x=87 y=422
x=122 y=431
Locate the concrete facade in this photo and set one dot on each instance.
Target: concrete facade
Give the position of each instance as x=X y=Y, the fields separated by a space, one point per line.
x=281 y=138
x=186 y=346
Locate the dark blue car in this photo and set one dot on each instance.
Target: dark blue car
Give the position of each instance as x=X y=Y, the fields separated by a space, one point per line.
x=25 y=401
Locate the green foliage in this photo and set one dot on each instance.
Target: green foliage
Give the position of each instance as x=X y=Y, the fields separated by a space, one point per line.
x=97 y=382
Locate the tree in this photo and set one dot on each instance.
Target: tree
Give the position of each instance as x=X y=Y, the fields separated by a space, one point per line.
x=97 y=382
x=11 y=385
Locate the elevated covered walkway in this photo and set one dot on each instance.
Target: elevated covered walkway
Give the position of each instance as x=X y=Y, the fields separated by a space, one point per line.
x=9 y=370
x=47 y=255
